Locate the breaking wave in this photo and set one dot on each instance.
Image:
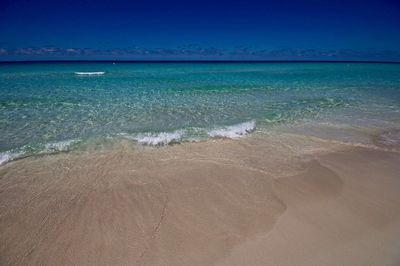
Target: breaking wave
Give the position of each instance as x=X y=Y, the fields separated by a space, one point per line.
x=235 y=131
x=192 y=134
x=38 y=149
x=147 y=138
x=59 y=145
x=8 y=156
x=158 y=139
x=90 y=73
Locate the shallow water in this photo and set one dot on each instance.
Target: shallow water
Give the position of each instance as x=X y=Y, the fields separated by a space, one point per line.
x=47 y=107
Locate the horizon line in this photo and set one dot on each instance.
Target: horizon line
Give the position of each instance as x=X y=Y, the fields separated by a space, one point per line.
x=198 y=61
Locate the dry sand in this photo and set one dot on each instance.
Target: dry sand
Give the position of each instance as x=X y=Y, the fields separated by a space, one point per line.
x=255 y=201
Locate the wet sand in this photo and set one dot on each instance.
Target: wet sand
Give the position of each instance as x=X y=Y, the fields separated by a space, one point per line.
x=255 y=201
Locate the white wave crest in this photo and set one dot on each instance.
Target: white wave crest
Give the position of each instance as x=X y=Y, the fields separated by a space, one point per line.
x=8 y=156
x=234 y=131
x=27 y=150
x=159 y=139
x=90 y=73
x=59 y=145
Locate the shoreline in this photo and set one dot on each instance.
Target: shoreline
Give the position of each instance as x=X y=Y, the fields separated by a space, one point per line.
x=234 y=202
x=371 y=136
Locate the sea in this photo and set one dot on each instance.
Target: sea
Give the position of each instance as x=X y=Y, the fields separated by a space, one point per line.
x=52 y=107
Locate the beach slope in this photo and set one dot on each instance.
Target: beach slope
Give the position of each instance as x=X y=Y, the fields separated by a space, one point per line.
x=214 y=203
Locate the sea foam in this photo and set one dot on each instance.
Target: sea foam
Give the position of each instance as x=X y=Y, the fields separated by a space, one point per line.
x=158 y=139
x=234 y=131
x=30 y=150
x=149 y=138
x=90 y=73
x=191 y=134
x=59 y=145
x=8 y=156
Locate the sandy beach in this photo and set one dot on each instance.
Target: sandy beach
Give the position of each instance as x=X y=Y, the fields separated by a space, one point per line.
x=199 y=133
x=282 y=199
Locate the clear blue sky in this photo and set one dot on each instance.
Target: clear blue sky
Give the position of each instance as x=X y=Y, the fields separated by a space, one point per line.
x=275 y=30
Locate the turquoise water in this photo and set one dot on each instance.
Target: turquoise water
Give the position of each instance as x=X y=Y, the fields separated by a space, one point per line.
x=48 y=107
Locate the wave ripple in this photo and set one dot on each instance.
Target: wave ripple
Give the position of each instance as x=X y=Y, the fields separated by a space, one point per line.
x=235 y=131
